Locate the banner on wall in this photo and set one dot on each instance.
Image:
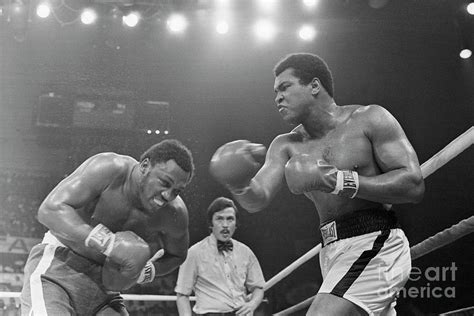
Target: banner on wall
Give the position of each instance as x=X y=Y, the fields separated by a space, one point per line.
x=22 y=245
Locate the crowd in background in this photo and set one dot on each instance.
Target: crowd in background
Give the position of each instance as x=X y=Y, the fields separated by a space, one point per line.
x=20 y=196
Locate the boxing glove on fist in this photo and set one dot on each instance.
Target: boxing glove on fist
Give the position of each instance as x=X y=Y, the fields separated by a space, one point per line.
x=127 y=254
x=304 y=174
x=234 y=164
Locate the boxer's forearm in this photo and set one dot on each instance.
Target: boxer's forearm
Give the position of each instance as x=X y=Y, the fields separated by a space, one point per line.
x=254 y=198
x=394 y=187
x=167 y=264
x=69 y=228
x=64 y=221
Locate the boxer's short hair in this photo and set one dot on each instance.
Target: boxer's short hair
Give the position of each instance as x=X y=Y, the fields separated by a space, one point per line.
x=306 y=67
x=170 y=149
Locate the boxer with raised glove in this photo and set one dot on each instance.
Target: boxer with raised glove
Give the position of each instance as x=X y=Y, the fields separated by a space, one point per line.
x=324 y=137
x=235 y=163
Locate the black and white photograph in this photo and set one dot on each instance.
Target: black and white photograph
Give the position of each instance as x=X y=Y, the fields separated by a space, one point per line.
x=236 y=157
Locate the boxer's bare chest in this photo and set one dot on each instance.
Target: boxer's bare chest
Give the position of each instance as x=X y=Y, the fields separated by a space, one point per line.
x=115 y=210
x=346 y=147
x=343 y=147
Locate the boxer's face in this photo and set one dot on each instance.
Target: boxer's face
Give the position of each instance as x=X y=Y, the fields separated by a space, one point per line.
x=293 y=99
x=161 y=183
x=224 y=224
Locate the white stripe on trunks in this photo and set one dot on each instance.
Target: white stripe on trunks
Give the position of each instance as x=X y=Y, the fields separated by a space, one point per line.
x=36 y=287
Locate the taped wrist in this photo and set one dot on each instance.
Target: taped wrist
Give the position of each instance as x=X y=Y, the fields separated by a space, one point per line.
x=101 y=239
x=347 y=183
x=148 y=273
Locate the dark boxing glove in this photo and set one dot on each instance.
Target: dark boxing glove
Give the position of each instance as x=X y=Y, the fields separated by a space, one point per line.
x=303 y=174
x=234 y=164
x=127 y=254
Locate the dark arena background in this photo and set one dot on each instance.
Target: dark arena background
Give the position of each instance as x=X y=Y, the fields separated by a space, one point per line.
x=69 y=89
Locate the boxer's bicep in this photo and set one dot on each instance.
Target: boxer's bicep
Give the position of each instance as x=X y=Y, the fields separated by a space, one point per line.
x=391 y=147
x=58 y=211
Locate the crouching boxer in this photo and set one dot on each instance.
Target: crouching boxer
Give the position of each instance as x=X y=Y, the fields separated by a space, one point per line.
x=113 y=223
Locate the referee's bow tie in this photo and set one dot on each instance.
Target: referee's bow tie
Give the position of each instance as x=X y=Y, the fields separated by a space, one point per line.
x=225 y=245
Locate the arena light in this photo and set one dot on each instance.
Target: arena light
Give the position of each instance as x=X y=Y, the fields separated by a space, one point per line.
x=307 y=32
x=131 y=19
x=265 y=29
x=378 y=4
x=157 y=132
x=43 y=10
x=222 y=27
x=177 y=23
x=166 y=132
x=88 y=16
x=18 y=7
x=470 y=8
x=18 y=17
x=222 y=4
x=310 y=4
x=267 y=6
x=465 y=53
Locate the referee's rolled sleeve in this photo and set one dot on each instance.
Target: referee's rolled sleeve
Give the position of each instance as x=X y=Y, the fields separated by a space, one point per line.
x=187 y=275
x=255 y=277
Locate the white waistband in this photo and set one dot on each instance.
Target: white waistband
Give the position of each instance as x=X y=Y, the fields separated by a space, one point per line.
x=50 y=239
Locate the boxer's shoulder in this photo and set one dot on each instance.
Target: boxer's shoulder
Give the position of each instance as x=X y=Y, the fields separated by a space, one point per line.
x=113 y=160
x=365 y=112
x=110 y=165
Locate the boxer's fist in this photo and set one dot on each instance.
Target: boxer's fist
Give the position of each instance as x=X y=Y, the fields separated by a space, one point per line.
x=126 y=253
x=304 y=174
x=234 y=164
x=125 y=262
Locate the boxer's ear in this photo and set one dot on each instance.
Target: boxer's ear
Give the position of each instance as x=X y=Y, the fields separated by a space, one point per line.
x=315 y=86
x=144 y=165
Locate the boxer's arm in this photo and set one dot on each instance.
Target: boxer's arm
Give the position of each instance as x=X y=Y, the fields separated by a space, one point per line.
x=401 y=180
x=175 y=253
x=58 y=210
x=175 y=240
x=268 y=180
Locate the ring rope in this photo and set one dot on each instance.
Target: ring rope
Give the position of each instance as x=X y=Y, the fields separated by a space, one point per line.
x=454 y=148
x=285 y=272
x=126 y=297
x=443 y=238
x=296 y=307
x=146 y=297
